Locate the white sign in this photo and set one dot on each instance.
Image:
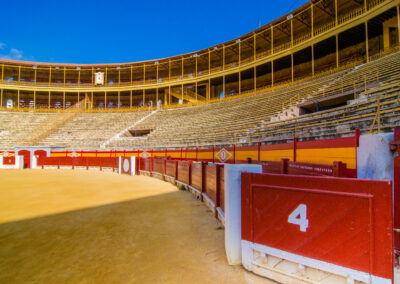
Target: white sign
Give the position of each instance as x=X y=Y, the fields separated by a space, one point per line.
x=99 y=78
x=144 y=154
x=223 y=155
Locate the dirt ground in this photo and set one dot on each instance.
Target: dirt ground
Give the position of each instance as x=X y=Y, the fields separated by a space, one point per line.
x=64 y=226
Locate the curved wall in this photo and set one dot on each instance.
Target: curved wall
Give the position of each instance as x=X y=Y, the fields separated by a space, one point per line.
x=316 y=37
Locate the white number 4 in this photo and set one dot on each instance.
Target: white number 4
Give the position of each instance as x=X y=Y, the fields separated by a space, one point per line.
x=299 y=217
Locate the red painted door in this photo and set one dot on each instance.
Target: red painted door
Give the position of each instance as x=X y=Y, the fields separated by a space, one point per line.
x=27 y=158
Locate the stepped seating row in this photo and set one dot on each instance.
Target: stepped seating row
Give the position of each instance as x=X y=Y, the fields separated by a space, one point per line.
x=246 y=120
x=88 y=131
x=15 y=126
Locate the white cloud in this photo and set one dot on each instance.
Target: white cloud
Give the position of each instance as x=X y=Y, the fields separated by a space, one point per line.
x=14 y=54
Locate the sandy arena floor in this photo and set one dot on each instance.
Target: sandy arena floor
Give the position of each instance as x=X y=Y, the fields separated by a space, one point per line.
x=64 y=226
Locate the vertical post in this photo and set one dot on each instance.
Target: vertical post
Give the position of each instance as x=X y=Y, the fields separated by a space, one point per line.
x=169 y=70
x=105 y=100
x=65 y=73
x=106 y=77
x=398 y=23
x=312 y=60
x=63 y=100
x=119 y=98
x=223 y=57
x=34 y=99
x=255 y=47
x=119 y=77
x=182 y=69
x=1 y=102
x=337 y=50
x=240 y=42
x=18 y=99
x=366 y=42
x=131 y=75
x=196 y=68
x=336 y=13
x=312 y=20
x=272 y=73
x=79 y=77
x=223 y=84
x=292 y=59
x=2 y=73
x=255 y=79
x=49 y=103
x=209 y=61
x=19 y=75
x=272 y=40
x=291 y=32
x=130 y=99
x=34 y=77
x=213 y=153
x=144 y=97
x=240 y=82
x=92 y=76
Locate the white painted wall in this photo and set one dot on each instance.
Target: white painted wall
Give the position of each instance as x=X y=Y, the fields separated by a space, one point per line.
x=233 y=214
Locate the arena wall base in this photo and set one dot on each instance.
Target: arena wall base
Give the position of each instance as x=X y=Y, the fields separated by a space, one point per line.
x=285 y=267
x=195 y=192
x=233 y=216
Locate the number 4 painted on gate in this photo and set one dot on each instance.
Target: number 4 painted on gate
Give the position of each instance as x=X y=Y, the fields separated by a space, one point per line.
x=299 y=217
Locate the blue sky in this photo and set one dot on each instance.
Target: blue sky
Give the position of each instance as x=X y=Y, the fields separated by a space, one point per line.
x=79 y=31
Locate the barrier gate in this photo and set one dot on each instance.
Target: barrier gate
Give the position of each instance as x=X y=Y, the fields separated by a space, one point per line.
x=317 y=229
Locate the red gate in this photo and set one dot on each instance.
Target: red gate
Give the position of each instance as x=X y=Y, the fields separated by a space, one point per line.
x=27 y=158
x=340 y=226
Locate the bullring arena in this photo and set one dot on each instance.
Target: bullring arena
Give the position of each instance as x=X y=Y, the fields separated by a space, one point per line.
x=270 y=158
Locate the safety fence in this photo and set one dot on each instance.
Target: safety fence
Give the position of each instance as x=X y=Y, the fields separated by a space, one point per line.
x=324 y=151
x=338 y=169
x=206 y=179
x=83 y=162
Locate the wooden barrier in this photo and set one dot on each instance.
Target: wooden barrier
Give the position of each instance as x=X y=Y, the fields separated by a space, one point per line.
x=338 y=169
x=171 y=168
x=183 y=172
x=341 y=227
x=73 y=162
x=222 y=187
x=158 y=166
x=197 y=178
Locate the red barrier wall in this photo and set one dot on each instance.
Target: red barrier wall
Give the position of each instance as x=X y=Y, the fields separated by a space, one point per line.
x=346 y=222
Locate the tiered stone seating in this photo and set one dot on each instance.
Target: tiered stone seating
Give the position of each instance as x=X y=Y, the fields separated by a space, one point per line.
x=87 y=131
x=15 y=126
x=243 y=120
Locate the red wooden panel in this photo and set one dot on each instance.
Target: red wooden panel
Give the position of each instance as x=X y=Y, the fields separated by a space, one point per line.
x=145 y=164
x=9 y=160
x=222 y=188
x=170 y=168
x=158 y=165
x=183 y=171
x=349 y=221
x=196 y=175
x=272 y=167
x=211 y=182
